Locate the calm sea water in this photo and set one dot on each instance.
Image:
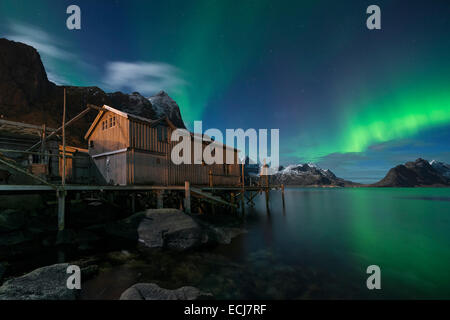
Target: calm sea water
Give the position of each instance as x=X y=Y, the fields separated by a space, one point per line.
x=318 y=247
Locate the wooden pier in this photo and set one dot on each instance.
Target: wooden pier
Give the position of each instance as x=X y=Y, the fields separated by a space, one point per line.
x=143 y=148
x=231 y=197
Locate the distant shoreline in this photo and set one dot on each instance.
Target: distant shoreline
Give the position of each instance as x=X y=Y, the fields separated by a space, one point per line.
x=364 y=186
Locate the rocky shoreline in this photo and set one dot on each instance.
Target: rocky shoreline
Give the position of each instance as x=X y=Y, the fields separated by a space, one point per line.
x=152 y=229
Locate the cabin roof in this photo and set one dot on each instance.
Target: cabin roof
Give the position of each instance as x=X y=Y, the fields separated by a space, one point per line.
x=125 y=115
x=207 y=139
x=105 y=108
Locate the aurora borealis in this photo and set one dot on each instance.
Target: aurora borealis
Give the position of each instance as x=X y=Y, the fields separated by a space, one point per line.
x=354 y=100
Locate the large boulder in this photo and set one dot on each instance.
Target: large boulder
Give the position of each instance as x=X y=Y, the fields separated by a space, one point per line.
x=46 y=283
x=170 y=228
x=151 y=291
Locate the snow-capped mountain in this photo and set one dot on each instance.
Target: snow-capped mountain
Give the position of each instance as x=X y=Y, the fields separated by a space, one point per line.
x=441 y=167
x=416 y=174
x=166 y=106
x=308 y=174
x=30 y=97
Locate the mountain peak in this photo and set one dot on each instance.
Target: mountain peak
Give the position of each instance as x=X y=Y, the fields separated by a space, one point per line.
x=28 y=96
x=417 y=173
x=162 y=93
x=308 y=174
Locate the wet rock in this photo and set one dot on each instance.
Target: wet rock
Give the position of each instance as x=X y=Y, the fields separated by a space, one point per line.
x=11 y=220
x=120 y=257
x=222 y=235
x=89 y=272
x=151 y=291
x=47 y=283
x=170 y=228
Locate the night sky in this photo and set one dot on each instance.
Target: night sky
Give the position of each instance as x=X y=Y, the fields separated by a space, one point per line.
x=353 y=100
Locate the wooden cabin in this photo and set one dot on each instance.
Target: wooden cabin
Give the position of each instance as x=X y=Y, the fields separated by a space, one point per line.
x=129 y=149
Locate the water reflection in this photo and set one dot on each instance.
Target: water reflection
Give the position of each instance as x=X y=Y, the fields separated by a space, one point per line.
x=318 y=246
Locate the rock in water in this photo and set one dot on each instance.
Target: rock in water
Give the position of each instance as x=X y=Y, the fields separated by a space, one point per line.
x=47 y=283
x=151 y=291
x=170 y=228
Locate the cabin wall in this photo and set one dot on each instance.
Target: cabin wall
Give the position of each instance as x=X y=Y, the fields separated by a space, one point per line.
x=199 y=174
x=144 y=137
x=147 y=168
x=112 y=138
x=113 y=168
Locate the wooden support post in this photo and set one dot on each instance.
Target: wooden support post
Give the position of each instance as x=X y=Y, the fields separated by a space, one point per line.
x=233 y=202
x=210 y=175
x=187 y=197
x=43 y=157
x=111 y=197
x=159 y=199
x=242 y=202
x=282 y=196
x=63 y=178
x=61 y=194
x=133 y=203
x=242 y=175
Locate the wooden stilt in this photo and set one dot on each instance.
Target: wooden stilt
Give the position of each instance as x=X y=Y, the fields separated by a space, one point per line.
x=63 y=178
x=187 y=197
x=210 y=176
x=282 y=196
x=133 y=203
x=232 y=201
x=159 y=199
x=242 y=202
x=61 y=194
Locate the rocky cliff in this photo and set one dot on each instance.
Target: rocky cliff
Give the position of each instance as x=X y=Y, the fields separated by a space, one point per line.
x=26 y=95
x=416 y=174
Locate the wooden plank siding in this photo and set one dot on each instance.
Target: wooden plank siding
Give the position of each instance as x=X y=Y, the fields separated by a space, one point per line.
x=144 y=137
x=109 y=139
x=198 y=174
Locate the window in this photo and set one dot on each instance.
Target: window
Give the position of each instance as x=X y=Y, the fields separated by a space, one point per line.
x=91 y=143
x=161 y=132
x=109 y=123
